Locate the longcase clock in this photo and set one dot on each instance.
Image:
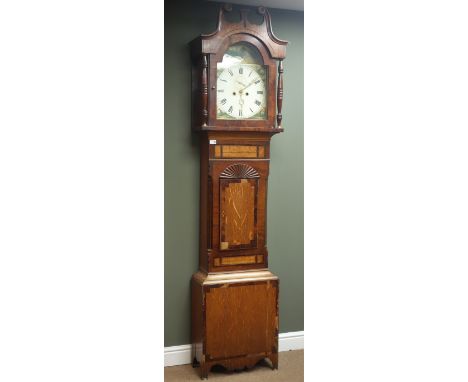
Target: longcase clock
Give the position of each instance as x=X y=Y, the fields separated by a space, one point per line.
x=237 y=93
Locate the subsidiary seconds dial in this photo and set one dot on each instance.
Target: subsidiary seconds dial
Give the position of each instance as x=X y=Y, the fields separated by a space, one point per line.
x=241 y=92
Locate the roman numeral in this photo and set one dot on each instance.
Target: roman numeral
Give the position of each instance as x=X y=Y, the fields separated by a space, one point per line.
x=250 y=72
x=230 y=109
x=223 y=101
x=251 y=109
x=258 y=92
x=241 y=70
x=257 y=102
x=240 y=113
x=230 y=72
x=222 y=80
x=222 y=91
x=256 y=82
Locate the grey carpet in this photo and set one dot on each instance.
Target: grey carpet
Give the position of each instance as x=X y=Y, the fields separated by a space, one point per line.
x=290 y=369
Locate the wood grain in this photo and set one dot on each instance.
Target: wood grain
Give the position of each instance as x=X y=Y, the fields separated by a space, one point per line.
x=197 y=322
x=238 y=212
x=221 y=173
x=234 y=319
x=239 y=151
x=236 y=260
x=261 y=151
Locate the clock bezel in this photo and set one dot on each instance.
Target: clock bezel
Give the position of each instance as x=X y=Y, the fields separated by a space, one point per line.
x=264 y=103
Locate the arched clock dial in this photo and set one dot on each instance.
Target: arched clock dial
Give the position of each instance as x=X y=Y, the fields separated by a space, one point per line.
x=241 y=92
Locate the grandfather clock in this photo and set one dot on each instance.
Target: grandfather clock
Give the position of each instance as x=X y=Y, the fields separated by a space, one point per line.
x=237 y=93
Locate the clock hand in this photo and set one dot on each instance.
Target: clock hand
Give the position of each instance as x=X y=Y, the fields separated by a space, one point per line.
x=249 y=84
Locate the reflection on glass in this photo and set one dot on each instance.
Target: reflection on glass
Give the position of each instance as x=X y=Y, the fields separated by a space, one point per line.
x=241 y=84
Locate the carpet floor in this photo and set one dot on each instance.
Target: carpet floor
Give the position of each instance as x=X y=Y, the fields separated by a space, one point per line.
x=290 y=369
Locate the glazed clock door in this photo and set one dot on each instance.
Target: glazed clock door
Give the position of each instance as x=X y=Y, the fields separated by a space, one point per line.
x=239 y=201
x=242 y=84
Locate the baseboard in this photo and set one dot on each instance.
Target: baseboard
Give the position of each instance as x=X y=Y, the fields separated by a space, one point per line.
x=181 y=355
x=291 y=341
x=177 y=355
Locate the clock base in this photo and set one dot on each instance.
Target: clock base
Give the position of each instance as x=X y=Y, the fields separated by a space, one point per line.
x=234 y=319
x=239 y=363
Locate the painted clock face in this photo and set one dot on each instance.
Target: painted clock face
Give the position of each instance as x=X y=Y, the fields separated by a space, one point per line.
x=241 y=84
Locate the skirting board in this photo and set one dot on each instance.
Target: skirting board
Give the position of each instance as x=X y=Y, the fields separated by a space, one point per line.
x=181 y=355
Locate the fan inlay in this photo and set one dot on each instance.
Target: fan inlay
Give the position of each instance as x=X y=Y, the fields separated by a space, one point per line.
x=239 y=171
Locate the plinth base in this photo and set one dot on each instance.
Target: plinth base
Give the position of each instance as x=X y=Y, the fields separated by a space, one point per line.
x=234 y=319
